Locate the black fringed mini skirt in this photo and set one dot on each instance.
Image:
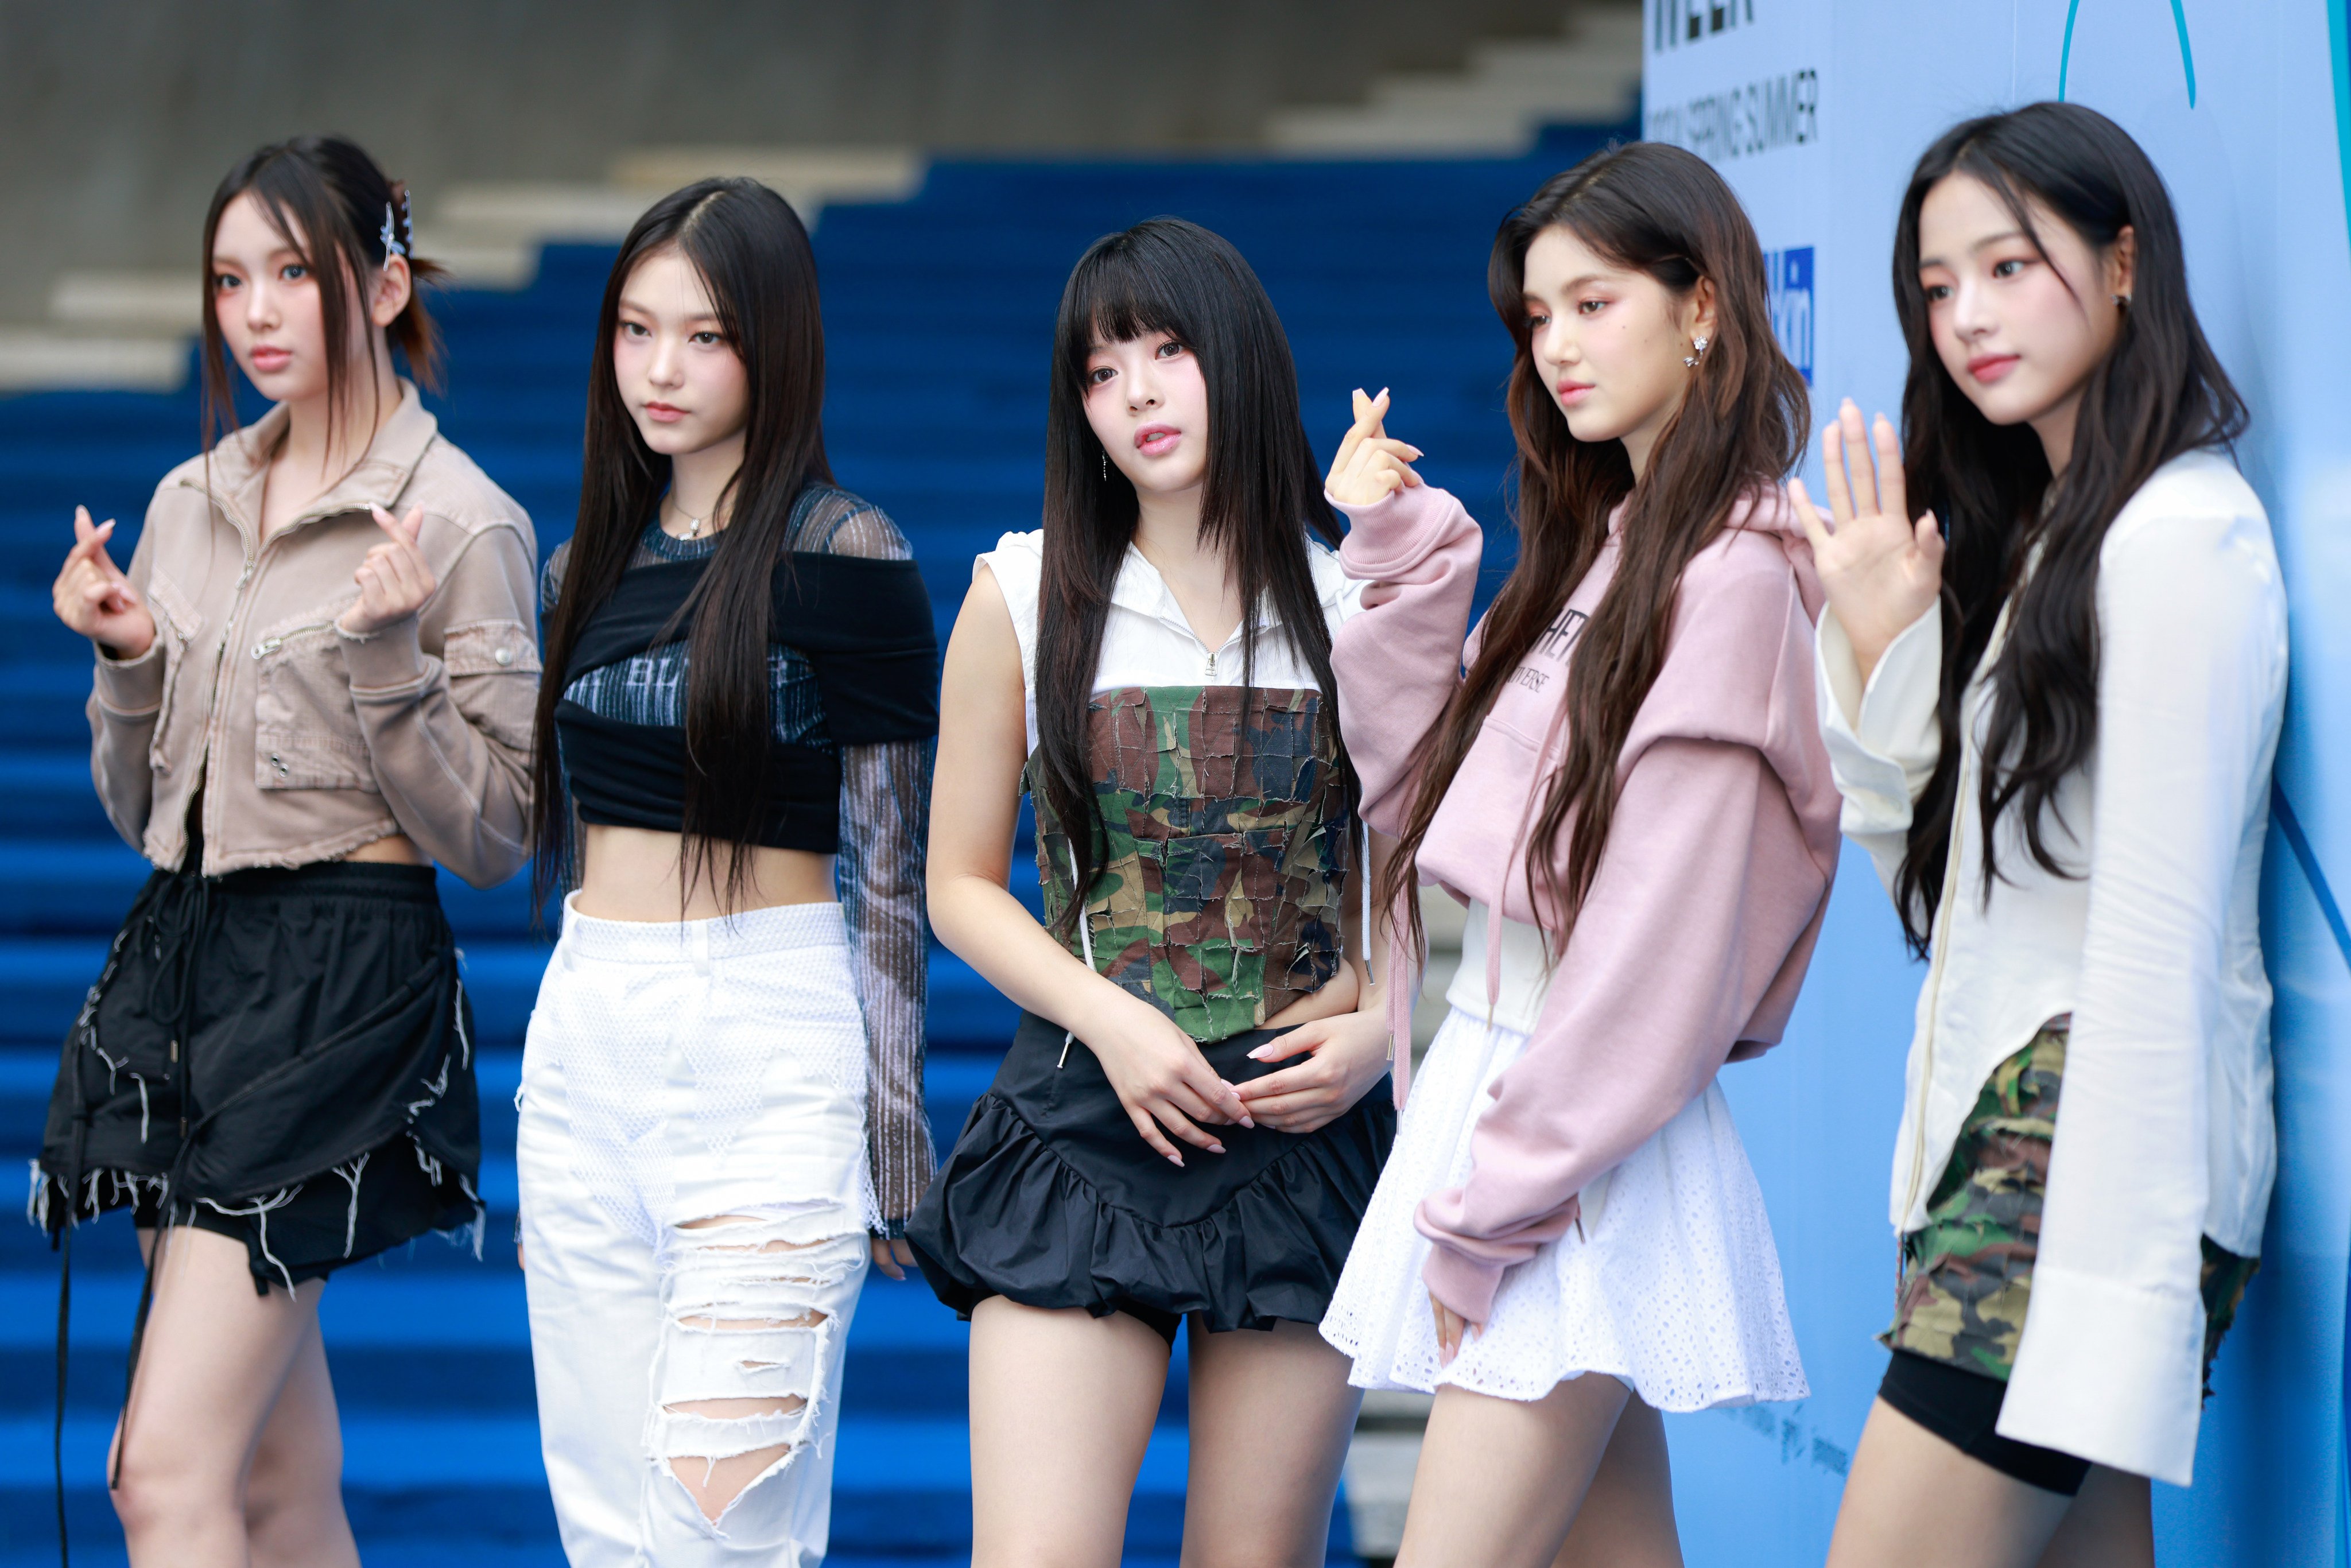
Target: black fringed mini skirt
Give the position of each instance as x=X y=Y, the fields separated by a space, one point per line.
x=1052 y=1198
x=283 y=1056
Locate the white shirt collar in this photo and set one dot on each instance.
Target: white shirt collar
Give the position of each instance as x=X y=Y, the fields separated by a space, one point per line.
x=1141 y=589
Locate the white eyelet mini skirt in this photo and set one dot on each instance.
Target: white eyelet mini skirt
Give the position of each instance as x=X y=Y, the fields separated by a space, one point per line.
x=1672 y=1283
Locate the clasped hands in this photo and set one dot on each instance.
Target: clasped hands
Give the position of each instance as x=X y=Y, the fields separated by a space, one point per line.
x=1171 y=1092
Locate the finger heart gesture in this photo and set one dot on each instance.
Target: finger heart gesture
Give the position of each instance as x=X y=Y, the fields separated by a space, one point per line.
x=1882 y=570
x=394 y=582
x=1371 y=464
x=93 y=597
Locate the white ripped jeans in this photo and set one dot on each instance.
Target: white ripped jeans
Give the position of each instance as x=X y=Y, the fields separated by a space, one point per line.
x=676 y=1073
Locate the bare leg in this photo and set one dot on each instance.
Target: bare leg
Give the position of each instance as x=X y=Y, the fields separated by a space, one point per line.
x=2110 y=1525
x=1628 y=1517
x=1270 y=1417
x=1915 y=1501
x=1501 y=1480
x=215 y=1361
x=1062 y=1407
x=294 y=1498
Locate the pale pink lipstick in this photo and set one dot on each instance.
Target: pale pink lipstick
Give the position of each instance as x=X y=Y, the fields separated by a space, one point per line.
x=1987 y=369
x=663 y=412
x=268 y=358
x=1571 y=392
x=1157 y=440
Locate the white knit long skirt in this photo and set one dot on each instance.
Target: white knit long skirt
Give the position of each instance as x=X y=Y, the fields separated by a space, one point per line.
x=1672 y=1286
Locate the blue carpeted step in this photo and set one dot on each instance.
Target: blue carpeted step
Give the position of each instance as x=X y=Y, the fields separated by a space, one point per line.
x=42 y=980
x=901 y=1485
x=952 y=1080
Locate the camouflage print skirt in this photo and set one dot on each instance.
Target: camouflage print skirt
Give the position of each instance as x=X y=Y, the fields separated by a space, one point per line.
x=1966 y=1275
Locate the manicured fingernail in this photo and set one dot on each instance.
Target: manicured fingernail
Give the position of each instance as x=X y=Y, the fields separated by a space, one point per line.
x=1383 y=391
x=1245 y=1120
x=1257 y=1055
x=1216 y=1148
x=1176 y=1160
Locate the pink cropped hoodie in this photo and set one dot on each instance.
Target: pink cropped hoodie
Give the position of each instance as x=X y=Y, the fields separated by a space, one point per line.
x=1697 y=930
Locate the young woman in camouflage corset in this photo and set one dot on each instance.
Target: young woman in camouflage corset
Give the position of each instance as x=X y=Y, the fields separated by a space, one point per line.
x=1185 y=1127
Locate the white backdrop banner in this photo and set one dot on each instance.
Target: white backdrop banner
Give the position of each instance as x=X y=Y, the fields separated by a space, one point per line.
x=1815 y=110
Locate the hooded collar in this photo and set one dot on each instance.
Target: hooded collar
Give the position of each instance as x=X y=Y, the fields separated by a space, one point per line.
x=1764 y=510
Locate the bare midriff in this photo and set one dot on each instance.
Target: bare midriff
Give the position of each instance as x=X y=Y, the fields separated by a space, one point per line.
x=397 y=849
x=637 y=874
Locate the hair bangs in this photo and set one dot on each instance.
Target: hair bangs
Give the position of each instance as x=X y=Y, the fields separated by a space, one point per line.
x=1117 y=295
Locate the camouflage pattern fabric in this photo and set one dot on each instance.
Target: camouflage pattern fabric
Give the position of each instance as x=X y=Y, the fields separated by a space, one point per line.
x=1966 y=1275
x=2226 y=1275
x=1225 y=832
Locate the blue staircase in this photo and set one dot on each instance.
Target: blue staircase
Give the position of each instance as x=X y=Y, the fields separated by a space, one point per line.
x=939 y=320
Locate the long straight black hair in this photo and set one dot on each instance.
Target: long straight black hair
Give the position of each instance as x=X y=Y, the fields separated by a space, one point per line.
x=1261 y=498
x=752 y=254
x=2159 y=393
x=328 y=200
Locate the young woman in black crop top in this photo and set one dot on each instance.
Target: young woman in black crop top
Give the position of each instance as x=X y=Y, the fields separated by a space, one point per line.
x=721 y=1111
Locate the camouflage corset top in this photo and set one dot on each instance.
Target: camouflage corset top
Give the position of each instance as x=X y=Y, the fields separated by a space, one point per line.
x=1224 y=852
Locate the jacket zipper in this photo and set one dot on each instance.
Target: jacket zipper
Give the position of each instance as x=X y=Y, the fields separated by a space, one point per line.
x=253 y=547
x=268 y=646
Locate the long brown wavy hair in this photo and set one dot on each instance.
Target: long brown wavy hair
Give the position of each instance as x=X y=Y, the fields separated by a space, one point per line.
x=1661 y=211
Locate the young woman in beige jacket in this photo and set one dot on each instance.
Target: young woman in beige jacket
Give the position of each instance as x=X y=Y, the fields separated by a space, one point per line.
x=315 y=681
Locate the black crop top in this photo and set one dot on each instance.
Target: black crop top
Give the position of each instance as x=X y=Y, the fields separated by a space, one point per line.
x=858 y=709
x=855 y=660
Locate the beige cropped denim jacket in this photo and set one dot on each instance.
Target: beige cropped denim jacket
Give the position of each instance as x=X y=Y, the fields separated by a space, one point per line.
x=307 y=743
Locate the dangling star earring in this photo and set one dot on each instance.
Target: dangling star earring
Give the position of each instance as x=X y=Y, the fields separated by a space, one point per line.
x=1692 y=360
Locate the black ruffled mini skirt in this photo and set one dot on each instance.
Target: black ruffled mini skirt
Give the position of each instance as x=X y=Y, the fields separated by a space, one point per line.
x=1050 y=1198
x=282 y=1056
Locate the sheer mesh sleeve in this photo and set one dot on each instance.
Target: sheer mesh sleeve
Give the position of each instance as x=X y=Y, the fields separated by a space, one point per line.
x=884 y=821
x=550 y=577
x=885 y=812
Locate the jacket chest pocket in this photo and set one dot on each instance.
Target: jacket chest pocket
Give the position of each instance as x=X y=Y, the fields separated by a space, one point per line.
x=307 y=733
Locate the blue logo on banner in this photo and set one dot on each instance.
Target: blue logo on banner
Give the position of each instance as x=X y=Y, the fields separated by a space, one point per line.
x=1788 y=275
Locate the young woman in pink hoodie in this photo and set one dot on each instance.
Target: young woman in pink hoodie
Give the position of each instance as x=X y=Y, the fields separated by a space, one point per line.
x=1628 y=790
